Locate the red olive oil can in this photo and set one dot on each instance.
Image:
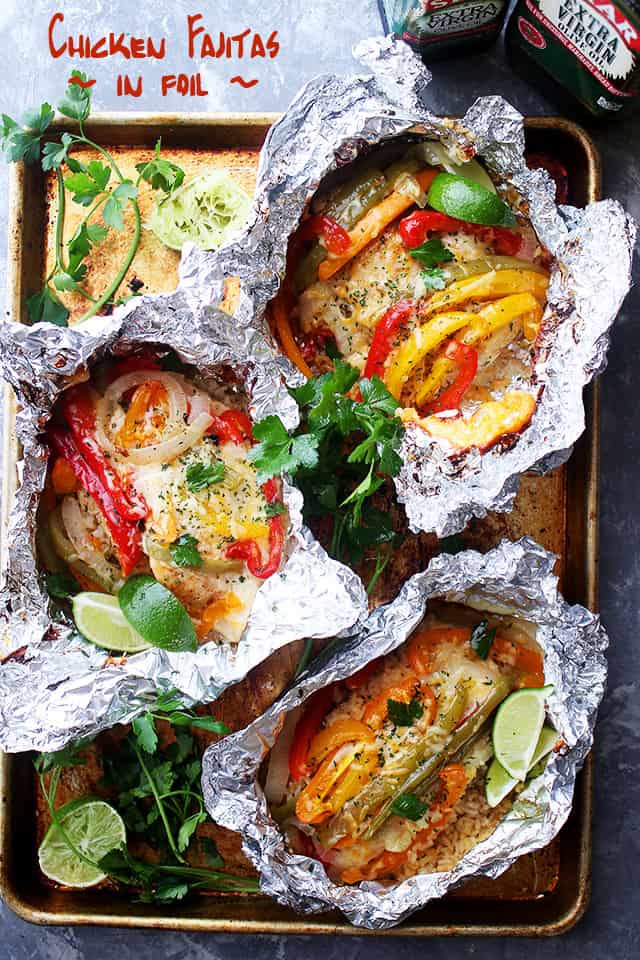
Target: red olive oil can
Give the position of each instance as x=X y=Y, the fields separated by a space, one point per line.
x=438 y=29
x=583 y=53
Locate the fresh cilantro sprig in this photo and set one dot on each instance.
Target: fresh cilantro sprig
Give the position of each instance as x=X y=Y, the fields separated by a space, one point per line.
x=431 y=253
x=98 y=185
x=409 y=806
x=156 y=789
x=184 y=551
x=482 y=638
x=343 y=451
x=404 y=714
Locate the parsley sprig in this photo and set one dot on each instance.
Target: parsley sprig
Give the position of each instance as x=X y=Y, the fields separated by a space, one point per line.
x=156 y=789
x=340 y=455
x=98 y=185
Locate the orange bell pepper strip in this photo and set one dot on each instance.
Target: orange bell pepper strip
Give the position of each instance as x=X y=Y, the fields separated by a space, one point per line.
x=454 y=778
x=339 y=778
x=377 y=710
x=140 y=424
x=526 y=661
x=425 y=643
x=217 y=610
x=492 y=421
x=63 y=478
x=383 y=865
x=334 y=736
x=373 y=223
x=280 y=313
x=307 y=727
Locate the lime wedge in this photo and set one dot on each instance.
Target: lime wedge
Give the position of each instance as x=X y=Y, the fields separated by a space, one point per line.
x=94 y=828
x=499 y=783
x=99 y=618
x=208 y=210
x=157 y=614
x=516 y=729
x=465 y=199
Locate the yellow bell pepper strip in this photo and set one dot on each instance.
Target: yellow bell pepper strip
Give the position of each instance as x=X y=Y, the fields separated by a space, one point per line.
x=323 y=796
x=422 y=341
x=336 y=735
x=499 y=313
x=487 y=286
x=465 y=359
x=490 y=422
x=489 y=319
x=424 y=645
x=373 y=223
x=307 y=727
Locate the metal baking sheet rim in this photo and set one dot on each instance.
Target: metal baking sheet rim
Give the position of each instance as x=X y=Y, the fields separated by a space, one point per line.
x=136 y=123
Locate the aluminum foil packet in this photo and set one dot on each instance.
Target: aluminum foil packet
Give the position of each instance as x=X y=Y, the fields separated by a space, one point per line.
x=333 y=120
x=514 y=579
x=54 y=685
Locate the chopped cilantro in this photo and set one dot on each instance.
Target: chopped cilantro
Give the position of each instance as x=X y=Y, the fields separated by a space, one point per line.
x=202 y=475
x=184 y=551
x=409 y=806
x=404 y=714
x=431 y=253
x=482 y=639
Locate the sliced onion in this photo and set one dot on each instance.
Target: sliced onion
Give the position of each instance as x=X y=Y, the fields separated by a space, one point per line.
x=275 y=785
x=408 y=186
x=76 y=529
x=168 y=450
x=175 y=395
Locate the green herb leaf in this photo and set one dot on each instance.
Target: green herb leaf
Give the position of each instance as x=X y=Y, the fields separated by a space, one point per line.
x=44 y=307
x=184 y=551
x=161 y=174
x=212 y=725
x=209 y=852
x=275 y=509
x=55 y=154
x=73 y=755
x=482 y=639
x=144 y=730
x=76 y=103
x=202 y=475
x=278 y=452
x=188 y=828
x=431 y=253
x=404 y=714
x=62 y=585
x=409 y=806
x=118 y=199
x=22 y=141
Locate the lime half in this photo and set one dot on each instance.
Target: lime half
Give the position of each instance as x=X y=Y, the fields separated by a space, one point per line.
x=499 y=783
x=99 y=618
x=465 y=199
x=94 y=828
x=208 y=210
x=516 y=729
x=157 y=614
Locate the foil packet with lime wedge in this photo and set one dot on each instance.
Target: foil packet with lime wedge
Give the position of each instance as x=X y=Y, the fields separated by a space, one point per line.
x=543 y=735
x=55 y=685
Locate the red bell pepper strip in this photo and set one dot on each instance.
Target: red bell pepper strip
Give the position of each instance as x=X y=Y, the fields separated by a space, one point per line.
x=125 y=533
x=307 y=727
x=415 y=229
x=466 y=359
x=232 y=426
x=336 y=238
x=391 y=322
x=249 y=551
x=80 y=413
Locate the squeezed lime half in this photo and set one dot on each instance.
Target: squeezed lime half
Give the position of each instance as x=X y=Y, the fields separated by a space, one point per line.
x=94 y=828
x=208 y=210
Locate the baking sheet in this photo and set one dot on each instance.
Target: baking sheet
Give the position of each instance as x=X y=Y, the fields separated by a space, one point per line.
x=545 y=892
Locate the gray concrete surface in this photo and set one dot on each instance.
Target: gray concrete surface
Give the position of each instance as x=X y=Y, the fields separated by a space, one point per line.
x=316 y=37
